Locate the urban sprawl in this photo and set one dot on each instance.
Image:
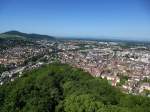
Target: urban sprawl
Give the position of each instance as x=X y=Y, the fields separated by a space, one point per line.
x=125 y=67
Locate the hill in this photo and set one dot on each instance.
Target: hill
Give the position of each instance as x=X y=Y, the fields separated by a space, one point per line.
x=20 y=35
x=61 y=88
x=11 y=37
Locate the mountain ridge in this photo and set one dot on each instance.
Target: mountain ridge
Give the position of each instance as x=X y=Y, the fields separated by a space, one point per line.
x=13 y=34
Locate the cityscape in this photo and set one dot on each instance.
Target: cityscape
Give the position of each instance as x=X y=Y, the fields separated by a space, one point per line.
x=74 y=55
x=125 y=66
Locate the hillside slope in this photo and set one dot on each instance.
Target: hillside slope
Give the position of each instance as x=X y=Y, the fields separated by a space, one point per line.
x=11 y=37
x=61 y=88
x=20 y=35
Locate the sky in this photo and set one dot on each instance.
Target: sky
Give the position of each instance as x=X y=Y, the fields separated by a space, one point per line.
x=114 y=19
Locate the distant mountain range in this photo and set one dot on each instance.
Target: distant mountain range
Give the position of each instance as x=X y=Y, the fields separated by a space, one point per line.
x=20 y=35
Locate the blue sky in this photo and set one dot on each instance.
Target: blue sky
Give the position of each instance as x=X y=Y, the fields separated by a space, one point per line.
x=119 y=19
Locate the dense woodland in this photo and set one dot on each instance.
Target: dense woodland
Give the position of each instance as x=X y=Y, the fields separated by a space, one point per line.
x=61 y=88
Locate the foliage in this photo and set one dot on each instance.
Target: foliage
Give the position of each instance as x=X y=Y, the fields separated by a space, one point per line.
x=2 y=68
x=123 y=79
x=61 y=88
x=146 y=80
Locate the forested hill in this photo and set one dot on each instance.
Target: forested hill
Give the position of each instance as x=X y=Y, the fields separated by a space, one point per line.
x=20 y=35
x=61 y=88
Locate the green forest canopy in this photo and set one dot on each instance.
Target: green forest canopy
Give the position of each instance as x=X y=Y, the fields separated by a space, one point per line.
x=61 y=88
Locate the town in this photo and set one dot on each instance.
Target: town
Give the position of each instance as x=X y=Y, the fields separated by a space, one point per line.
x=123 y=66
